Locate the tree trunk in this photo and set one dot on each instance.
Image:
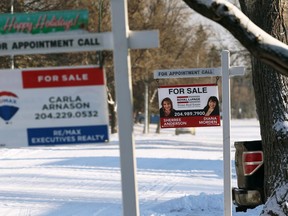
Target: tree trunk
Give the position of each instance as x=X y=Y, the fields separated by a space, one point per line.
x=271 y=102
x=113 y=118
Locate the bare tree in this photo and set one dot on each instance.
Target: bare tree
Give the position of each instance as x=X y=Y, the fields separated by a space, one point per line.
x=182 y=45
x=269 y=66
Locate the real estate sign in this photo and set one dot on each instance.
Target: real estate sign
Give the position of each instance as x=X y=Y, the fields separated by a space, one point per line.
x=189 y=106
x=53 y=106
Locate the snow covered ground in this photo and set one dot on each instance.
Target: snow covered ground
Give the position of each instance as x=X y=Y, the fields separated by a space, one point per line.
x=177 y=175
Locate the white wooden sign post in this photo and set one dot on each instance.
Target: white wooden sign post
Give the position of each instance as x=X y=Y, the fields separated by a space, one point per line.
x=123 y=86
x=225 y=71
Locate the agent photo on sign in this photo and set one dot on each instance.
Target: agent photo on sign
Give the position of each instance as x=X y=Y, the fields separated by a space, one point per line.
x=212 y=107
x=166 y=109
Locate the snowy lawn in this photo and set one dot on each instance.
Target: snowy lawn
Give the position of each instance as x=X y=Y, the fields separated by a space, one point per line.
x=178 y=175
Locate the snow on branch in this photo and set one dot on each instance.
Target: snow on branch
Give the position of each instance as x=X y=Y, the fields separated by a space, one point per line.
x=260 y=44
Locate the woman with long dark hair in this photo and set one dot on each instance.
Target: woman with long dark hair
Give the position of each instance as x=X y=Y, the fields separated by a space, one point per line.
x=212 y=107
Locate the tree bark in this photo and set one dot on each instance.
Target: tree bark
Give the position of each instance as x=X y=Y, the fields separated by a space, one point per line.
x=271 y=101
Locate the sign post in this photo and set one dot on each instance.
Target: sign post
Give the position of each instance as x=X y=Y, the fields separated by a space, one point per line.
x=123 y=86
x=122 y=72
x=225 y=62
x=225 y=71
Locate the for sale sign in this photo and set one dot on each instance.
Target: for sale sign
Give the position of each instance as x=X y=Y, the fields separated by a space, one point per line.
x=189 y=106
x=53 y=106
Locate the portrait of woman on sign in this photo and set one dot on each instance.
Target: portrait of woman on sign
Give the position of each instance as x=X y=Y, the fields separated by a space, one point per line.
x=212 y=107
x=166 y=109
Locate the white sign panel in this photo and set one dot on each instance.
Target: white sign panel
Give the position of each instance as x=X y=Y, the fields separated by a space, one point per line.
x=189 y=106
x=55 y=43
x=53 y=106
x=186 y=73
x=76 y=42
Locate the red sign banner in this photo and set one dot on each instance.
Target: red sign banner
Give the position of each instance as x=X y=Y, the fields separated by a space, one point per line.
x=62 y=77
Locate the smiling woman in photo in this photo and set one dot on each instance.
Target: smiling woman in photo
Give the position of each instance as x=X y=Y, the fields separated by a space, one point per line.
x=212 y=107
x=166 y=109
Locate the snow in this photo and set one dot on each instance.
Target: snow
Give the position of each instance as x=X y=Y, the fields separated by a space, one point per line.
x=177 y=175
x=281 y=126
